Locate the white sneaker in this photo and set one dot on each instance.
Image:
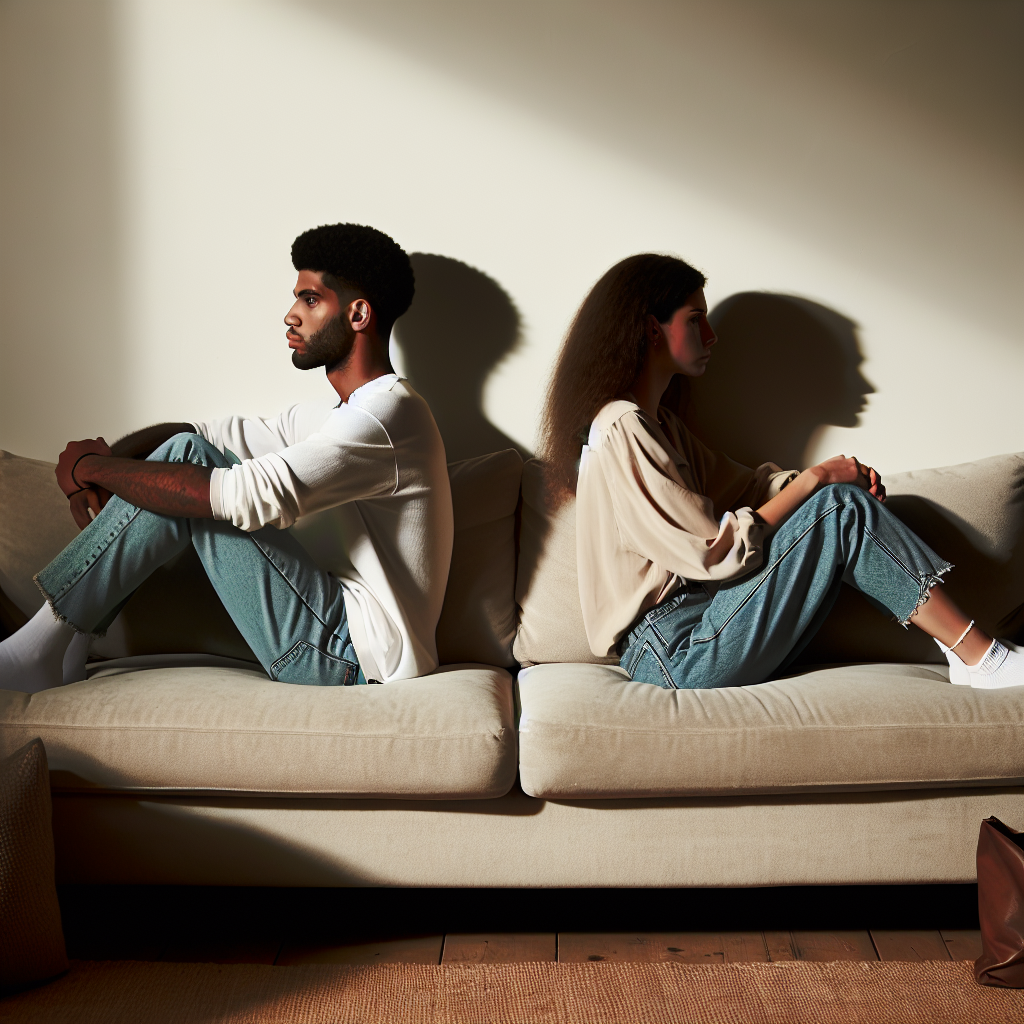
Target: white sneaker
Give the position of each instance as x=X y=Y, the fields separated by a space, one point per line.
x=1002 y=667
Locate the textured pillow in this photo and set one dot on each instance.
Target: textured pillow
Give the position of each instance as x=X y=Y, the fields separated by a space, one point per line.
x=478 y=620
x=31 y=939
x=972 y=515
x=547 y=591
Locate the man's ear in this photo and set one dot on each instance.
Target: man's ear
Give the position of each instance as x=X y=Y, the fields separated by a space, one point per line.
x=360 y=315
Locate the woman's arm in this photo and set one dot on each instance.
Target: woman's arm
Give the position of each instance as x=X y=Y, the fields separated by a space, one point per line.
x=839 y=470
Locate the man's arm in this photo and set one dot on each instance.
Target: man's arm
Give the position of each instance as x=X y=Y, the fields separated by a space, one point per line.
x=87 y=503
x=168 y=488
x=143 y=443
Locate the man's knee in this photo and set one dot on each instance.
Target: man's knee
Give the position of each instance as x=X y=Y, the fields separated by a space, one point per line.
x=188 y=447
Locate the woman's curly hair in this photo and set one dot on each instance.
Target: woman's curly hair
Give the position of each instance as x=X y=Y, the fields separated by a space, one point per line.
x=603 y=353
x=361 y=258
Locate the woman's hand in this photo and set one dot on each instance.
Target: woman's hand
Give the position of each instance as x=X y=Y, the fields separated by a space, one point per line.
x=839 y=470
x=842 y=470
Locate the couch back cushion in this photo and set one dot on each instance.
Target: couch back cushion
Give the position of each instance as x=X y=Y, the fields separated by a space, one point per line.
x=35 y=525
x=478 y=619
x=176 y=611
x=971 y=514
x=547 y=591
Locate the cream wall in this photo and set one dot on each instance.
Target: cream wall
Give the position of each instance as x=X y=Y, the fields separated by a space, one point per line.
x=160 y=155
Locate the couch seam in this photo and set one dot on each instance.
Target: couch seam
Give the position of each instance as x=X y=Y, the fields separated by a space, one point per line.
x=253 y=732
x=799 y=727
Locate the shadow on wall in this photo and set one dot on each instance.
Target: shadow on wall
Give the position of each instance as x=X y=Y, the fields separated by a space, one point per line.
x=783 y=370
x=460 y=326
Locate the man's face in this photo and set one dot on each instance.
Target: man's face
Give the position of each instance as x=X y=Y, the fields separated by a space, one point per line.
x=319 y=333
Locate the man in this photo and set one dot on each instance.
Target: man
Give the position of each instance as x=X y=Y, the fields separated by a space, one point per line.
x=354 y=592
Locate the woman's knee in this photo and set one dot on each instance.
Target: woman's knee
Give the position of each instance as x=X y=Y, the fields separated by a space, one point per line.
x=840 y=494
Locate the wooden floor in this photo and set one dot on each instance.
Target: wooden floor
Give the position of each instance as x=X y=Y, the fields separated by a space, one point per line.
x=359 y=926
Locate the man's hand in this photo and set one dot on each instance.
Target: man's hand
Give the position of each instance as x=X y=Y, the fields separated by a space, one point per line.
x=842 y=470
x=71 y=454
x=87 y=504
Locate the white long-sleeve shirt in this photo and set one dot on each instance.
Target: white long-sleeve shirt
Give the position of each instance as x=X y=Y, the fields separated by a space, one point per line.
x=364 y=487
x=654 y=506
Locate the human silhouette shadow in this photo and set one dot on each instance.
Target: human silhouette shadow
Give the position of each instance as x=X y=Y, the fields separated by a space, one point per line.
x=460 y=326
x=783 y=370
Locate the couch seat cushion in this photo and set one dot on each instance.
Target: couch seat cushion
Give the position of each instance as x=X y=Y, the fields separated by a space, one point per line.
x=209 y=729
x=587 y=731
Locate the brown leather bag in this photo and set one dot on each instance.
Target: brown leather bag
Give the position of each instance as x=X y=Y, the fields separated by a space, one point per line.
x=1000 y=905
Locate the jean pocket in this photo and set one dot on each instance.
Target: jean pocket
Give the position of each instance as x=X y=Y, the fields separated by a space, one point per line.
x=309 y=666
x=645 y=665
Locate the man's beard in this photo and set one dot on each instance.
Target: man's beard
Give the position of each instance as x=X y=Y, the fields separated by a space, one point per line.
x=330 y=346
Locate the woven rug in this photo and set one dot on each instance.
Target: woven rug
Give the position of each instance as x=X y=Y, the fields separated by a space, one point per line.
x=652 y=993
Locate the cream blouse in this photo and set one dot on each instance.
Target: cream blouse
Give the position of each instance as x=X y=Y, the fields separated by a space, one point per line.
x=649 y=499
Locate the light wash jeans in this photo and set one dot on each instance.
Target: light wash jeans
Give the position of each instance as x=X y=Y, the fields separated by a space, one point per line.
x=756 y=626
x=290 y=611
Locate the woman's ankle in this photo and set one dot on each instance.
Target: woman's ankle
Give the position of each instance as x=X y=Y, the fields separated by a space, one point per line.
x=973 y=648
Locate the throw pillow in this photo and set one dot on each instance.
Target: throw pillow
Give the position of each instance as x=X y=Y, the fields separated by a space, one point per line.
x=31 y=939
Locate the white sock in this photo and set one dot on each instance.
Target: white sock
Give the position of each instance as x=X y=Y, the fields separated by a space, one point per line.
x=33 y=658
x=73 y=667
x=1002 y=666
x=958 y=671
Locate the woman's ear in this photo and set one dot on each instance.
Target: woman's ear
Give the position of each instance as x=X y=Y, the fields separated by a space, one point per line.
x=654 y=331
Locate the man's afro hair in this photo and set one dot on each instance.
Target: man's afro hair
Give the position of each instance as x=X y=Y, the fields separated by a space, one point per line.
x=364 y=257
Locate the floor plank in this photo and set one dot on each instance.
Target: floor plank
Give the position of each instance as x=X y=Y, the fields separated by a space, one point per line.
x=719 y=948
x=910 y=946
x=509 y=948
x=780 y=946
x=827 y=946
x=408 y=949
x=963 y=944
x=658 y=947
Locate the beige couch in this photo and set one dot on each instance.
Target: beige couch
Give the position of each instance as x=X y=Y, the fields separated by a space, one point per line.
x=178 y=761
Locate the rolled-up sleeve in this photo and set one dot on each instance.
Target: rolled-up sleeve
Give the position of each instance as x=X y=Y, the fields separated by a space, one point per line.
x=328 y=468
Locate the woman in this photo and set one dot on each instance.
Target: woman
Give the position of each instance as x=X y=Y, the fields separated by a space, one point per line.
x=695 y=570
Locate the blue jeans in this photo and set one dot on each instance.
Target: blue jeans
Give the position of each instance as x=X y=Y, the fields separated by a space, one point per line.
x=755 y=626
x=290 y=611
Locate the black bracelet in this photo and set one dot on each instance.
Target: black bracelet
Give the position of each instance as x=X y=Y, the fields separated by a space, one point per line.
x=74 y=467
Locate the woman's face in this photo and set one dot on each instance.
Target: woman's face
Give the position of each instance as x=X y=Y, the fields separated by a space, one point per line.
x=688 y=336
